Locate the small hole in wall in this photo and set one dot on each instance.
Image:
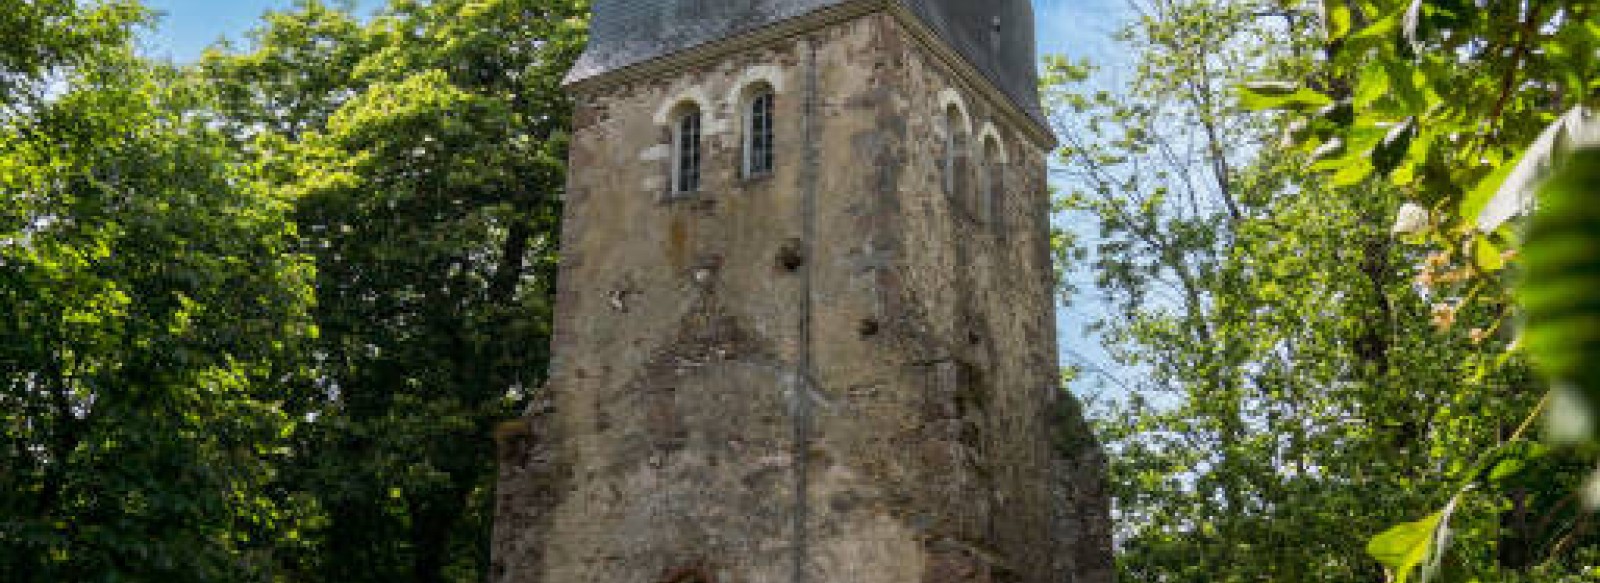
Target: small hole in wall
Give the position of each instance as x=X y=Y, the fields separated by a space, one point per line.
x=974 y=338
x=690 y=574
x=868 y=328
x=790 y=258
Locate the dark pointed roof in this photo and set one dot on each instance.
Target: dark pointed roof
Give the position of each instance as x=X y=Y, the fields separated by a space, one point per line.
x=995 y=36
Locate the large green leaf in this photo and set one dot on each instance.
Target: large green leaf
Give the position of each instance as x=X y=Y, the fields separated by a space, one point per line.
x=1404 y=547
x=1561 y=288
x=1269 y=95
x=1506 y=192
x=1479 y=198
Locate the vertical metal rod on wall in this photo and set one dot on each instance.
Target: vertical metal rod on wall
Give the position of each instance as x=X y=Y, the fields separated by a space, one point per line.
x=803 y=378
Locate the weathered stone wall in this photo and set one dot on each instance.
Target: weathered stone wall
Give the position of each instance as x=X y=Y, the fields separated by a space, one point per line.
x=979 y=292
x=908 y=340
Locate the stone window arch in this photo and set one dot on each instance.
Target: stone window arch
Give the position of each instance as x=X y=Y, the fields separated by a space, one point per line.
x=758 y=108
x=991 y=176
x=687 y=126
x=957 y=140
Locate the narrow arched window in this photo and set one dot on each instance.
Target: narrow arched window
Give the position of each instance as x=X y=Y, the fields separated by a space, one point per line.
x=955 y=153
x=758 y=132
x=992 y=177
x=686 y=151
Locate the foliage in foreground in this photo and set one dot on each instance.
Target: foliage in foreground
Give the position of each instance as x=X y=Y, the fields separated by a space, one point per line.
x=1466 y=109
x=1307 y=377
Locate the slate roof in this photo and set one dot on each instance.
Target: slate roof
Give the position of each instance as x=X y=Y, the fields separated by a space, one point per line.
x=628 y=32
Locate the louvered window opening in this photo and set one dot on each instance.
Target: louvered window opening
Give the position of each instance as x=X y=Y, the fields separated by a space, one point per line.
x=759 y=155
x=688 y=163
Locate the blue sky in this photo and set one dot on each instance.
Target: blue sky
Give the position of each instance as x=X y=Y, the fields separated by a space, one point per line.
x=189 y=26
x=1079 y=27
x=1075 y=27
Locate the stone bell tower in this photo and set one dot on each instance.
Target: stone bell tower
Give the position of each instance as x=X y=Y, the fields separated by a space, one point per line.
x=804 y=325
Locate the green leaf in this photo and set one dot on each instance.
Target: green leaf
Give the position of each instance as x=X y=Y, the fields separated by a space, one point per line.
x=1341 y=113
x=1487 y=256
x=1575 y=128
x=1352 y=173
x=1410 y=24
x=1474 y=202
x=1406 y=84
x=1560 y=291
x=1371 y=86
x=1277 y=95
x=1514 y=458
x=1338 y=17
x=1375 y=34
x=1405 y=546
x=1390 y=152
x=1506 y=468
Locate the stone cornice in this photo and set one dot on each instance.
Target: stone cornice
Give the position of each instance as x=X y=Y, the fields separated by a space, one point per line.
x=710 y=52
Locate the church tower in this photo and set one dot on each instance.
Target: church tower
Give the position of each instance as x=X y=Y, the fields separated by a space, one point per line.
x=804 y=328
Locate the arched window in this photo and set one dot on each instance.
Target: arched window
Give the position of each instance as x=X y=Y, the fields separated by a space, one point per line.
x=992 y=185
x=955 y=153
x=686 y=150
x=758 y=131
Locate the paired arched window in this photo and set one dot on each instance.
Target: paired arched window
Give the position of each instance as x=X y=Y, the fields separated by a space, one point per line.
x=758 y=131
x=756 y=108
x=973 y=170
x=955 y=152
x=991 y=181
x=686 y=150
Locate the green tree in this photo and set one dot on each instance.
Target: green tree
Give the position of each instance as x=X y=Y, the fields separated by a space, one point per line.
x=149 y=296
x=1294 y=390
x=426 y=155
x=45 y=36
x=300 y=68
x=1465 y=108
